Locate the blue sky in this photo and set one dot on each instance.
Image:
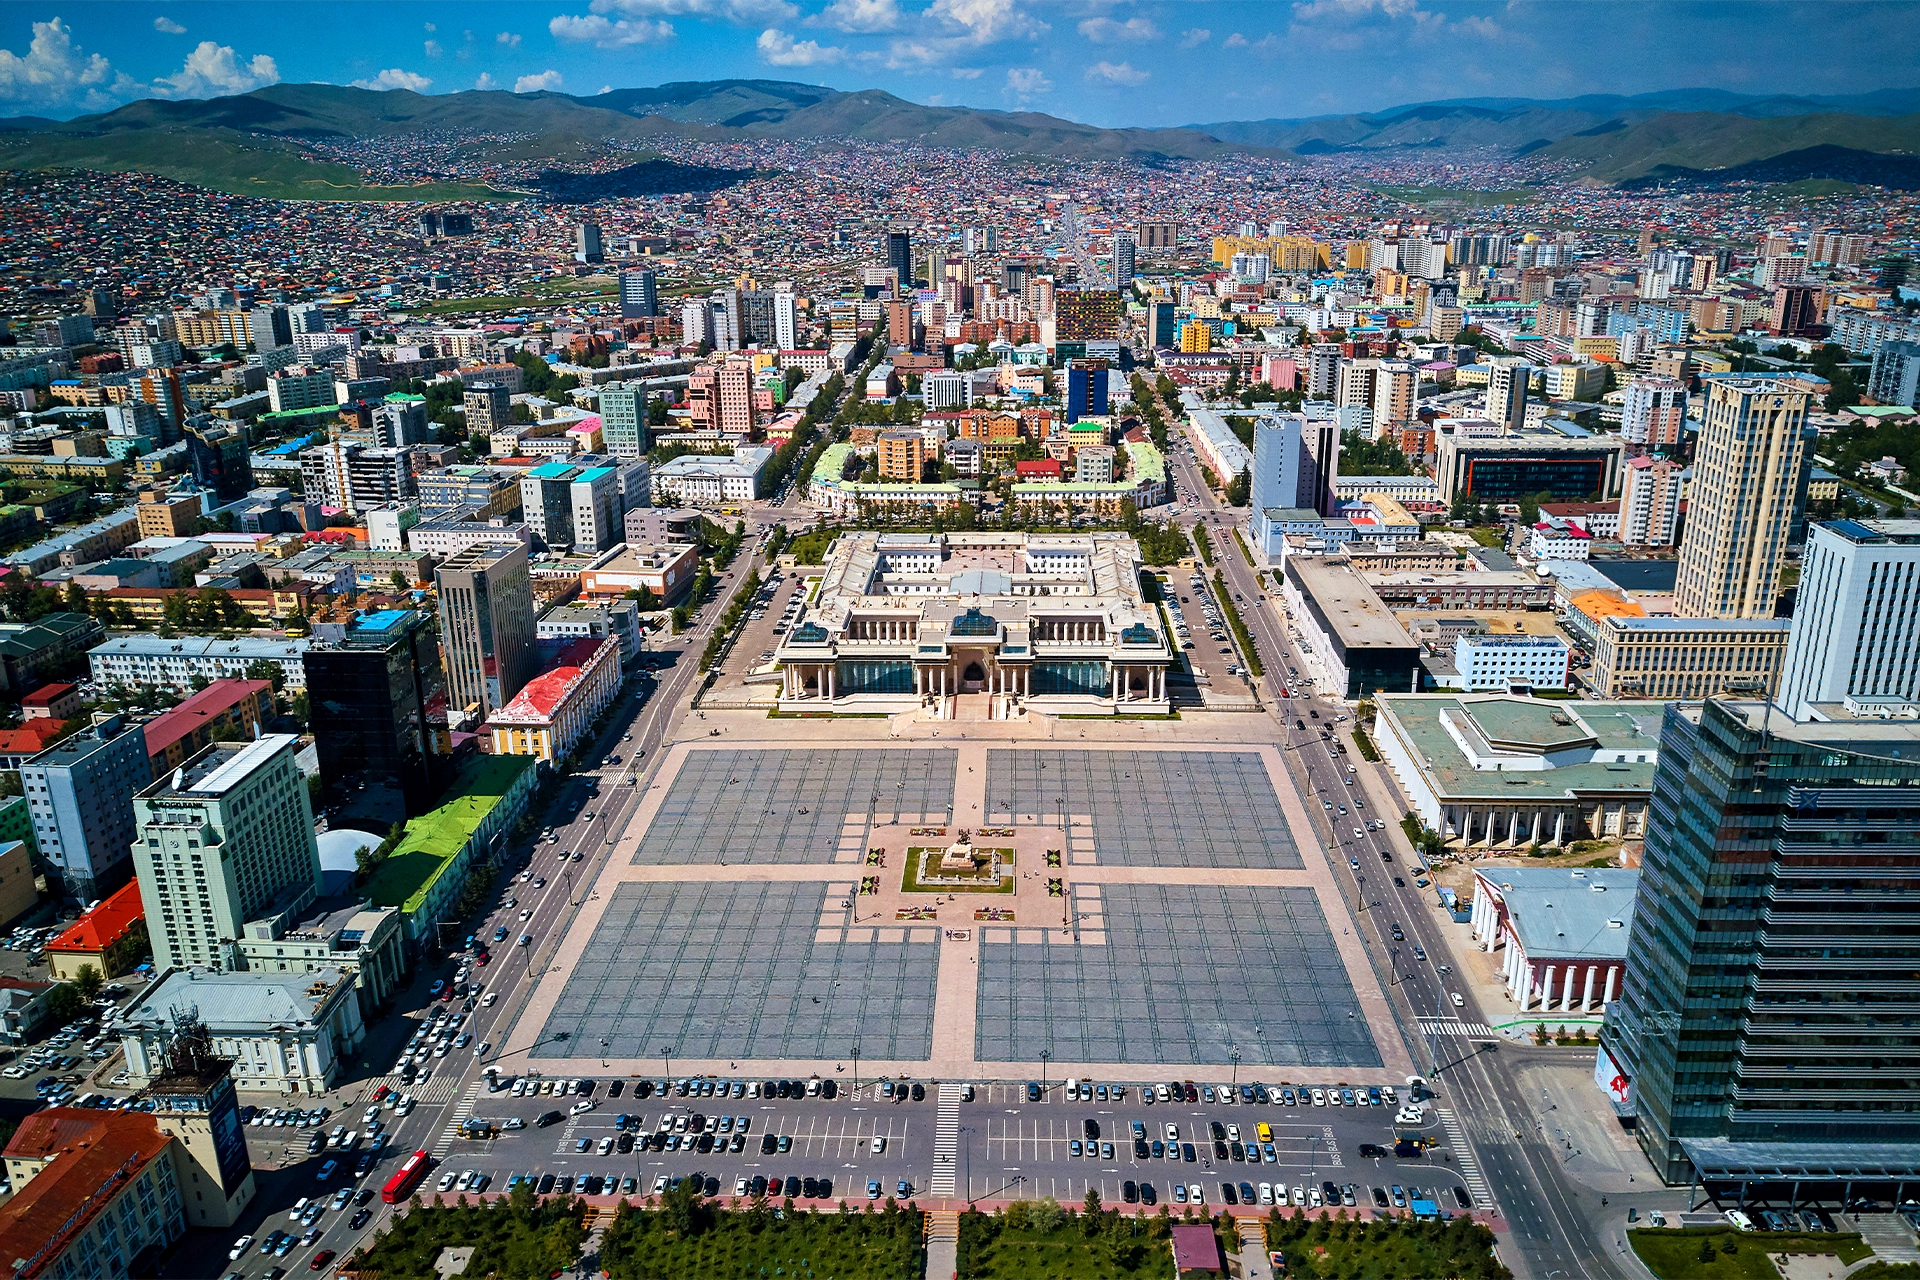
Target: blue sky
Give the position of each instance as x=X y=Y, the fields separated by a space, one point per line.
x=1106 y=62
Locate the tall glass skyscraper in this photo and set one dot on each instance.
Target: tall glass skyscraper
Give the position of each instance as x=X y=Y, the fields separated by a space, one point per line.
x=1770 y=1016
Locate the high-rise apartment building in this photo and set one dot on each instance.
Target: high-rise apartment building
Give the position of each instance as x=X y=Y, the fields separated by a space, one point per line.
x=1158 y=237
x=1653 y=412
x=720 y=398
x=269 y=327
x=586 y=243
x=624 y=419
x=786 y=321
x=1086 y=315
x=1507 y=384
x=900 y=258
x=486 y=625
x=300 y=387
x=1160 y=324
x=899 y=325
x=218 y=460
x=1838 y=248
x=901 y=455
x=1764 y=1020
x=1796 y=308
x=1746 y=470
x=1895 y=375
x=1323 y=371
x=639 y=295
x=79 y=797
x=581 y=503
x=1856 y=623
x=1396 y=386
x=370 y=685
x=221 y=840
x=1123 y=259
x=696 y=321
x=1356 y=382
x=1649 y=501
x=489 y=407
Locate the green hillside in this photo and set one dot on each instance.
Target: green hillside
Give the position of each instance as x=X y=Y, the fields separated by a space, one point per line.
x=216 y=160
x=1705 y=141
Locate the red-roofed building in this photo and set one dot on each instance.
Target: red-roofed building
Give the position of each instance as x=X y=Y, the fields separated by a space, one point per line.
x=51 y=702
x=1196 y=1252
x=96 y=1193
x=17 y=746
x=1044 y=469
x=175 y=736
x=556 y=708
x=87 y=939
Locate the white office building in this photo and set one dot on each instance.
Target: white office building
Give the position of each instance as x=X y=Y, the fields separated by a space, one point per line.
x=1500 y=662
x=1856 y=626
x=705 y=480
x=289 y=1033
x=172 y=663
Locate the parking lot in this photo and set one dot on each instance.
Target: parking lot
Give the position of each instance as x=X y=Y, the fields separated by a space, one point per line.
x=759 y=635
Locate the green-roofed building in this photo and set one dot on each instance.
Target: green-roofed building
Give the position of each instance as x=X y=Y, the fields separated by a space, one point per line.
x=469 y=827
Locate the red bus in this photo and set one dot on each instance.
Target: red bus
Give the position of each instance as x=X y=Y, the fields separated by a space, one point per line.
x=406 y=1178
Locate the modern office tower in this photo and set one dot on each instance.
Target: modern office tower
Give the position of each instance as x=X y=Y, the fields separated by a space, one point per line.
x=624 y=423
x=1895 y=378
x=1285 y=476
x=1160 y=325
x=786 y=321
x=1746 y=467
x=1764 y=1020
x=639 y=296
x=1507 y=393
x=1086 y=315
x=218 y=460
x=1653 y=412
x=428 y=224
x=900 y=258
x=586 y=243
x=1123 y=259
x=1649 y=501
x=1014 y=275
x=1323 y=370
x=486 y=625
x=79 y=796
x=456 y=224
x=729 y=332
x=1086 y=389
x=269 y=327
x=221 y=840
x=696 y=321
x=370 y=684
x=980 y=240
x=400 y=420
x=756 y=318
x=1856 y=623
x=489 y=407
x=581 y=503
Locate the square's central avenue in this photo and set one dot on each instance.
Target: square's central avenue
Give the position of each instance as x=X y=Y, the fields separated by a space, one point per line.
x=1161 y=908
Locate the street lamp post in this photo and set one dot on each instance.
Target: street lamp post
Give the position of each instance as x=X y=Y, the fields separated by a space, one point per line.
x=603 y=1050
x=856 y=1068
x=666 y=1056
x=1234 y=1054
x=1044 y=1055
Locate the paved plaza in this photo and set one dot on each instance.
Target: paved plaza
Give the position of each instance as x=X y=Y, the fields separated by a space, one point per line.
x=1167 y=909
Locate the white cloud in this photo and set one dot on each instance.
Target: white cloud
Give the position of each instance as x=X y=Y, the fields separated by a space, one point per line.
x=486 y=81
x=167 y=26
x=395 y=78
x=1106 y=30
x=1194 y=36
x=779 y=49
x=1117 y=73
x=743 y=12
x=1234 y=41
x=54 y=70
x=547 y=80
x=1026 y=82
x=511 y=39
x=212 y=70
x=431 y=28
x=864 y=16
x=985 y=21
x=608 y=33
x=433 y=49
x=966 y=73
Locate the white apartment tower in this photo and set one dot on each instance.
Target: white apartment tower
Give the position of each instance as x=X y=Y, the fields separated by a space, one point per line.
x=221 y=840
x=1649 y=502
x=1653 y=412
x=1746 y=470
x=1507 y=394
x=1856 y=626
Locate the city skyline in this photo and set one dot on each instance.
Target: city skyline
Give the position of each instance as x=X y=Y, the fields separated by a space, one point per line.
x=1145 y=65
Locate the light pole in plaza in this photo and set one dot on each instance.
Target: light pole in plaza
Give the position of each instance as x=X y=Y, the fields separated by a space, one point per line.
x=603 y=1050
x=666 y=1056
x=856 y=1068
x=1234 y=1054
x=1044 y=1055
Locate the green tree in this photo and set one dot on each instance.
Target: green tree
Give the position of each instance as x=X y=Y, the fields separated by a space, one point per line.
x=1239 y=489
x=88 y=982
x=76 y=598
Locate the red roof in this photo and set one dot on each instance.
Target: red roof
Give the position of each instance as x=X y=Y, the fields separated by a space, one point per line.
x=193 y=713
x=1044 y=467
x=105 y=925
x=47 y=695
x=85 y=1151
x=1195 y=1249
x=31 y=738
x=544 y=693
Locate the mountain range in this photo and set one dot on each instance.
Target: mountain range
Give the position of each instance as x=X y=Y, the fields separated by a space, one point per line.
x=250 y=142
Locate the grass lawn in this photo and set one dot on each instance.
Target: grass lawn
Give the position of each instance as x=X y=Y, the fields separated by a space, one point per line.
x=1342 y=1248
x=1494 y=536
x=511 y=1236
x=910 y=877
x=692 y=1237
x=1677 y=1254
x=1040 y=1240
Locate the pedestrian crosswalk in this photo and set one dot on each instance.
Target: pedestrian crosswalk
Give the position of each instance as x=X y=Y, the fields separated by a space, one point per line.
x=1463 y=1159
x=946 y=1141
x=429 y=1092
x=1454 y=1027
x=451 y=1129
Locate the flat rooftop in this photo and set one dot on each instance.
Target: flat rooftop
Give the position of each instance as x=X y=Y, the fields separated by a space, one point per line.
x=1348 y=603
x=1579 y=913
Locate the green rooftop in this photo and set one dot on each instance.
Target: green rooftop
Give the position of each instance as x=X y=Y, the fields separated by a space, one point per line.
x=435 y=838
